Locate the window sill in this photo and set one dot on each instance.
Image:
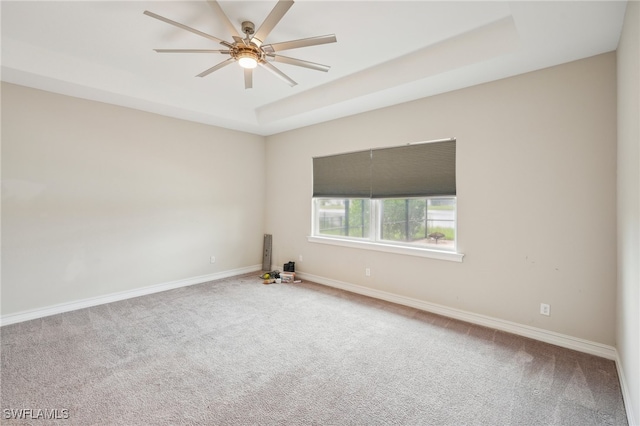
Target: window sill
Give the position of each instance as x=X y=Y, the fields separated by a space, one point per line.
x=389 y=248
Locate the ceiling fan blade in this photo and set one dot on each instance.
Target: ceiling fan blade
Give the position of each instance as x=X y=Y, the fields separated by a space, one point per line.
x=216 y=67
x=191 y=51
x=272 y=20
x=227 y=22
x=305 y=42
x=184 y=27
x=300 y=63
x=248 y=78
x=277 y=73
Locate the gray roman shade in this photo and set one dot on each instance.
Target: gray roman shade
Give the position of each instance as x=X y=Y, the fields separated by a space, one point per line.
x=343 y=175
x=419 y=170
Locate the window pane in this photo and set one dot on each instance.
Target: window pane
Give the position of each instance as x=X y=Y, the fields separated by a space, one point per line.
x=346 y=217
x=441 y=222
x=423 y=221
x=395 y=220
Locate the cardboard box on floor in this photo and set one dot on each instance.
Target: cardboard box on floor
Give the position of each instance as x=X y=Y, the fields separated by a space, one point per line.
x=288 y=277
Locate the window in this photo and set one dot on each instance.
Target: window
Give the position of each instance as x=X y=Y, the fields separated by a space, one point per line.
x=400 y=199
x=427 y=223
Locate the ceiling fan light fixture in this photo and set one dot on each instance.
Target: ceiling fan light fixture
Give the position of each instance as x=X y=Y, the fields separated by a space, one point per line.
x=249 y=52
x=247 y=60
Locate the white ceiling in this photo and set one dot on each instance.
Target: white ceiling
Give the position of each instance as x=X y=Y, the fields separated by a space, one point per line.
x=387 y=52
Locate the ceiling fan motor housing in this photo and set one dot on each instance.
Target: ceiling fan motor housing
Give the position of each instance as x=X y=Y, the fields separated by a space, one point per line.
x=247 y=51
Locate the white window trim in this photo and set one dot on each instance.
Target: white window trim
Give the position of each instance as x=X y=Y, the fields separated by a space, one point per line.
x=389 y=248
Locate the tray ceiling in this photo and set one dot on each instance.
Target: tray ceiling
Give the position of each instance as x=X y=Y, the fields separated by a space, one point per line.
x=387 y=52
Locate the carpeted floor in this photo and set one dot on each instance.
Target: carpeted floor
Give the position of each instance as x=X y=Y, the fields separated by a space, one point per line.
x=237 y=352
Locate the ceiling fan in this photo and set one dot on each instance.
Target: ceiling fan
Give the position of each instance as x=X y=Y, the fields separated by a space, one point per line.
x=251 y=51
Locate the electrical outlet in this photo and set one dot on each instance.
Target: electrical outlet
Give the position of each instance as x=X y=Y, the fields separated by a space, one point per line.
x=545 y=309
x=367 y=272
x=300 y=258
x=212 y=259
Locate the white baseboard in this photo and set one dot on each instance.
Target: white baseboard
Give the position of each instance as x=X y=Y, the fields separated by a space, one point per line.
x=114 y=297
x=626 y=397
x=554 y=338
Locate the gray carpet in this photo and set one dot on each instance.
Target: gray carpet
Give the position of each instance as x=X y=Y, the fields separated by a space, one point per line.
x=237 y=352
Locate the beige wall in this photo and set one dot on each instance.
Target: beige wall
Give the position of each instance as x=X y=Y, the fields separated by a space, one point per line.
x=98 y=199
x=628 y=308
x=536 y=198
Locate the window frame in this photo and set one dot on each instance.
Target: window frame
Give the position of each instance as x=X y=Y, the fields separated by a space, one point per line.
x=373 y=242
